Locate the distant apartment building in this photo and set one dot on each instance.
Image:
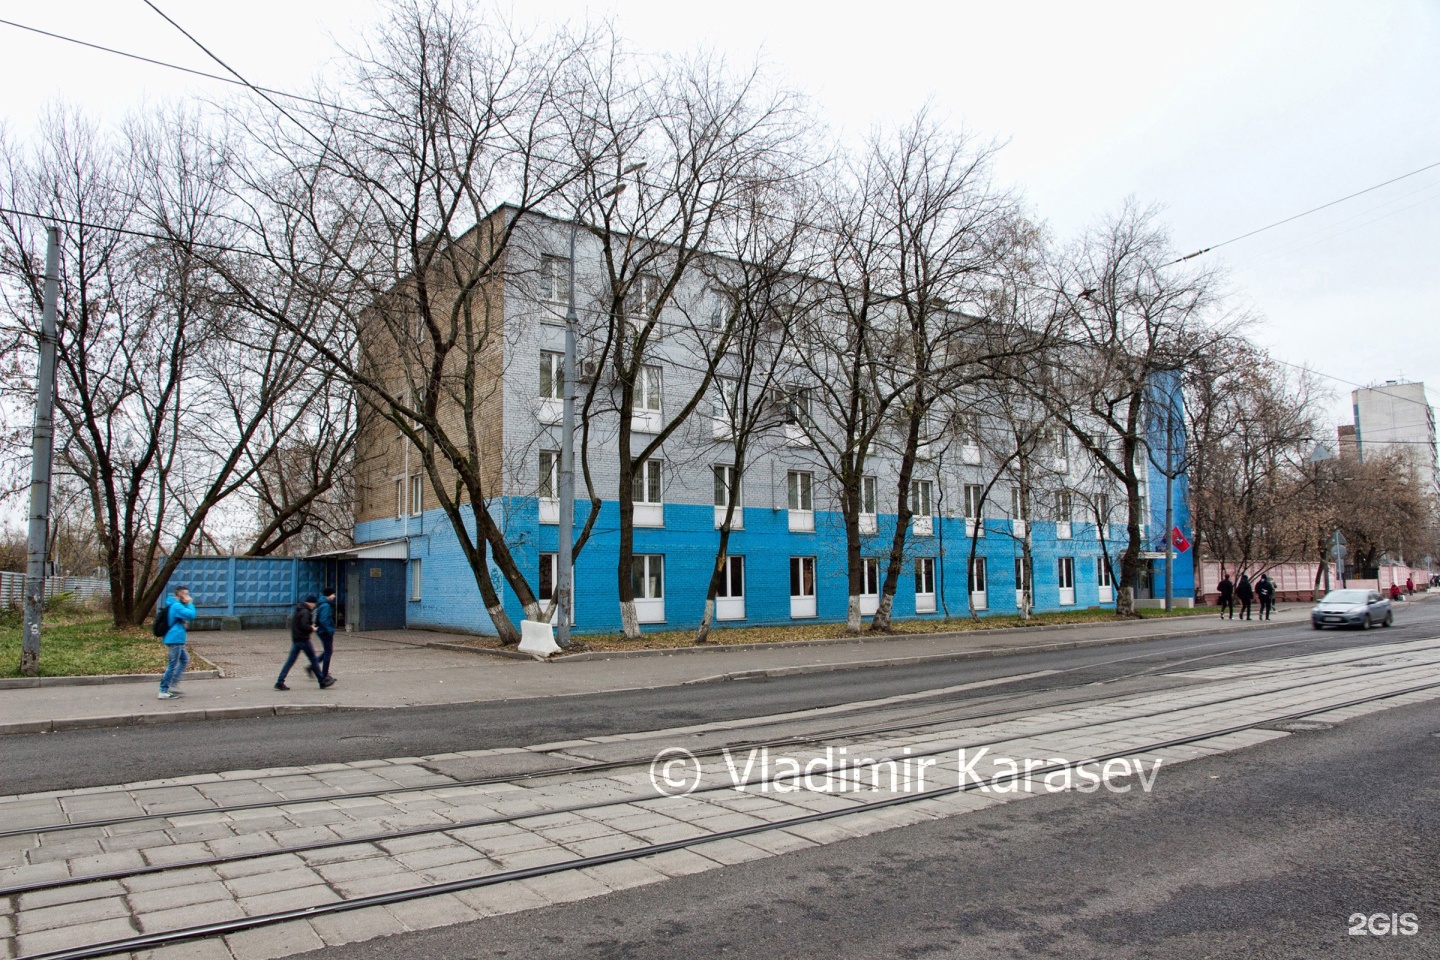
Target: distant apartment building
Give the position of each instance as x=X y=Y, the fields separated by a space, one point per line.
x=1397 y=416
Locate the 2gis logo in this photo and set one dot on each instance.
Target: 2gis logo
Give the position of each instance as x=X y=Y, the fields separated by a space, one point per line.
x=1384 y=924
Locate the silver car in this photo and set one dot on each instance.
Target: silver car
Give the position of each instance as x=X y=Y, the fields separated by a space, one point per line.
x=1352 y=608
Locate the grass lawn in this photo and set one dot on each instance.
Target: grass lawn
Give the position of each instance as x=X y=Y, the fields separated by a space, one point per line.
x=660 y=640
x=74 y=645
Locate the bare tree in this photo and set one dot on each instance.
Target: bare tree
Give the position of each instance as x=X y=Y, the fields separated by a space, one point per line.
x=701 y=141
x=1129 y=311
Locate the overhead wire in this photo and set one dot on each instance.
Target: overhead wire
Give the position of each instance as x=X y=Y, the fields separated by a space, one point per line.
x=267 y=92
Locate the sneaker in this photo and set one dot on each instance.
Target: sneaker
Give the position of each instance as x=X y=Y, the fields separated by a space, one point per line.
x=176 y=693
x=310 y=670
x=327 y=682
x=167 y=695
x=281 y=686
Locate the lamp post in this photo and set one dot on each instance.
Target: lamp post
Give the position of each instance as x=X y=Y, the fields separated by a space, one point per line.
x=564 y=558
x=1319 y=455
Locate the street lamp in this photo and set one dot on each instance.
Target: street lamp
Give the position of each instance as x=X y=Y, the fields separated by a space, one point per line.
x=564 y=559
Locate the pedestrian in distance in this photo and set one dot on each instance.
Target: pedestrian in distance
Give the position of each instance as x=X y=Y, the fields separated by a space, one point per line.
x=1409 y=586
x=170 y=623
x=302 y=628
x=1226 y=589
x=1265 y=593
x=325 y=630
x=1245 y=593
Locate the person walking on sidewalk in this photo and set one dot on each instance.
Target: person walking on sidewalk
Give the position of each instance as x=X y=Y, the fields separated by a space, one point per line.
x=178 y=611
x=302 y=627
x=1265 y=592
x=1409 y=586
x=1245 y=594
x=325 y=630
x=1226 y=589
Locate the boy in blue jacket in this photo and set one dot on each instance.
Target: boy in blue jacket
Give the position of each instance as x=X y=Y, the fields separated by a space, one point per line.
x=179 y=610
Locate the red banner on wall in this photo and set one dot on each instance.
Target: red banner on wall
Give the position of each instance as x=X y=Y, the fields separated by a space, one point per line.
x=1178 y=539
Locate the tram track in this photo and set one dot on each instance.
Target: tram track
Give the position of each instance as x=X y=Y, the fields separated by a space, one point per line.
x=914 y=726
x=198 y=931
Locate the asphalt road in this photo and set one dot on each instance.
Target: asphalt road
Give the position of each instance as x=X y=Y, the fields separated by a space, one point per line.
x=1267 y=852
x=97 y=757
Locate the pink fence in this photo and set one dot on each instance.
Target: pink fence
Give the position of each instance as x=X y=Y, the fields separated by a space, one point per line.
x=1296 y=581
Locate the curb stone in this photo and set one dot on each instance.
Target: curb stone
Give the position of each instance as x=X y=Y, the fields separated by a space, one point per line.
x=178 y=716
x=18 y=683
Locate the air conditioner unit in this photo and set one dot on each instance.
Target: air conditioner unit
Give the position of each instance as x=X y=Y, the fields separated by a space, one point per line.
x=587 y=370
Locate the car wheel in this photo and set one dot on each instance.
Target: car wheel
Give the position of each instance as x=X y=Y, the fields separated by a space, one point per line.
x=1365 y=622
x=1314 y=625
x=1389 y=618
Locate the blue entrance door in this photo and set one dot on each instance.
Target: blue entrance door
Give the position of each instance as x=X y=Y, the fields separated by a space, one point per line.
x=381 y=594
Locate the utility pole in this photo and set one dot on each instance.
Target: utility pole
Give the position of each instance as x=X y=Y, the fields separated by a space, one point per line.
x=41 y=455
x=564 y=576
x=1169 y=502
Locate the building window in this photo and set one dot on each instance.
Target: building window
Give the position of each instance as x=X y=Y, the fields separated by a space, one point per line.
x=1102 y=507
x=399 y=499
x=727 y=399
x=800 y=407
x=802 y=587
x=802 y=503
x=1017 y=504
x=1065 y=575
x=1064 y=505
x=920 y=497
x=727 y=485
x=414 y=579
x=552 y=375
x=417 y=495
x=646 y=485
x=924 y=584
x=1103 y=576
x=732 y=578
x=549 y=567
x=647 y=576
x=870 y=575
x=799 y=482
x=977 y=577
x=643 y=296
x=648 y=388
x=974 y=500
x=549 y=487
x=869 y=523
x=555 y=279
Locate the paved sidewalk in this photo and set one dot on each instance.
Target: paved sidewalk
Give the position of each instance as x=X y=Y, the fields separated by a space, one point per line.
x=401 y=671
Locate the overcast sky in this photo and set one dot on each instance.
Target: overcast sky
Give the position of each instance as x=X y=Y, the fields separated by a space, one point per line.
x=1230 y=115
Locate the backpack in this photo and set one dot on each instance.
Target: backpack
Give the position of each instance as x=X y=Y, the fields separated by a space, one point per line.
x=162 y=621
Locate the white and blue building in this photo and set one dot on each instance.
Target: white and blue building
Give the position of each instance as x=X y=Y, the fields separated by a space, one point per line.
x=788 y=560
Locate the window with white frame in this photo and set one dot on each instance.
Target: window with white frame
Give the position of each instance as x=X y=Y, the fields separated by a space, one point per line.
x=870 y=575
x=417 y=495
x=974 y=500
x=920 y=493
x=727 y=399
x=1065 y=577
x=799 y=483
x=399 y=498
x=646 y=486
x=1017 y=503
x=869 y=496
x=722 y=308
x=643 y=296
x=647 y=576
x=555 y=279
x=799 y=407
x=802 y=587
x=648 y=386
x=415 y=579
x=732 y=579
x=549 y=566
x=1103 y=575
x=977 y=578
x=727 y=485
x=1064 y=505
x=1102 y=507
x=549 y=486
x=924 y=584
x=552 y=375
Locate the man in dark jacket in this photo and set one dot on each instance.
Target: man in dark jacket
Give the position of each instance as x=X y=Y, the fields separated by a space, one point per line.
x=1245 y=594
x=1265 y=593
x=325 y=630
x=1226 y=589
x=302 y=627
